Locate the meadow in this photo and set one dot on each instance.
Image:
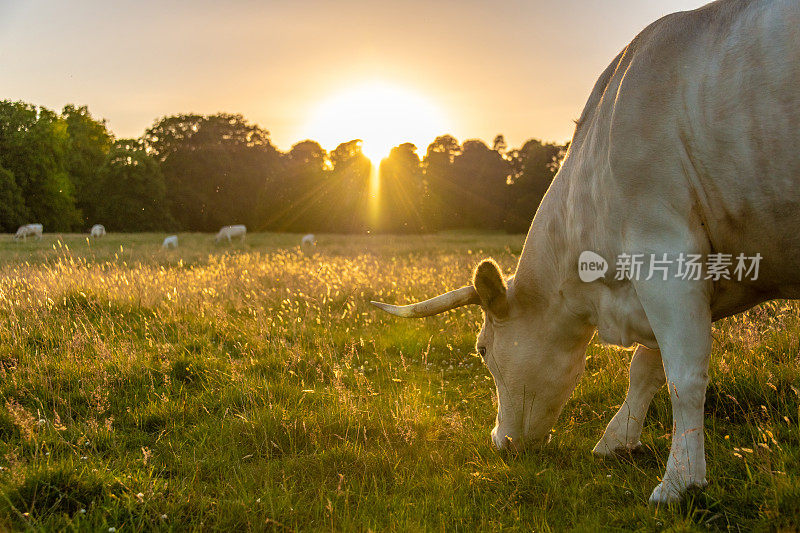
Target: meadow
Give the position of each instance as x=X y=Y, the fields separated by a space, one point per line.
x=253 y=387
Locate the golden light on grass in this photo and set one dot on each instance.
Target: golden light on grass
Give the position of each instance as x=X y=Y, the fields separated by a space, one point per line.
x=124 y=362
x=381 y=114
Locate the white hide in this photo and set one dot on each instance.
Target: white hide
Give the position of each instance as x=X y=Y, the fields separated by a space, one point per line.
x=29 y=230
x=98 y=230
x=229 y=232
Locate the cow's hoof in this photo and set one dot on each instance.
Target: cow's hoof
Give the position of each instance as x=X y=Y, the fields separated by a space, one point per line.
x=604 y=449
x=667 y=494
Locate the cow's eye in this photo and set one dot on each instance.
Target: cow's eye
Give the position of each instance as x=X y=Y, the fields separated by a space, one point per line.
x=482 y=351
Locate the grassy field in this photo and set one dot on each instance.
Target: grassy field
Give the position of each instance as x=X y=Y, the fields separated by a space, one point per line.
x=251 y=387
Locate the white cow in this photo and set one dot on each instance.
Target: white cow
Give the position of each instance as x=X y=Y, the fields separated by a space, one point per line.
x=170 y=242
x=29 y=230
x=228 y=232
x=688 y=146
x=308 y=241
x=98 y=230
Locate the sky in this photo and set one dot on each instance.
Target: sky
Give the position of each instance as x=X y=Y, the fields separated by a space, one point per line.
x=473 y=69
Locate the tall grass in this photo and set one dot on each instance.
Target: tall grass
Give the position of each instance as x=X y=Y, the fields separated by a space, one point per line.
x=252 y=387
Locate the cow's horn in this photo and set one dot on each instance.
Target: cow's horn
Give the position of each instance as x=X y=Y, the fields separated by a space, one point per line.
x=439 y=304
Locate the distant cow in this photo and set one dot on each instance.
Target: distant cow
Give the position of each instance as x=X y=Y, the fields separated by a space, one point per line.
x=228 y=232
x=29 y=230
x=170 y=242
x=308 y=240
x=98 y=230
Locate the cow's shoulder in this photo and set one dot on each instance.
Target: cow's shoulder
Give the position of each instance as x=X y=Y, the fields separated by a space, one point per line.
x=656 y=51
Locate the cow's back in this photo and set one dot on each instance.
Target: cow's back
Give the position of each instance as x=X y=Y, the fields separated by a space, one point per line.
x=742 y=135
x=704 y=123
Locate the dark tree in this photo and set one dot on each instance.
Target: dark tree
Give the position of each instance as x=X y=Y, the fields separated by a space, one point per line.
x=347 y=190
x=482 y=176
x=499 y=145
x=296 y=201
x=533 y=168
x=88 y=145
x=403 y=193
x=13 y=212
x=217 y=168
x=131 y=190
x=442 y=184
x=33 y=150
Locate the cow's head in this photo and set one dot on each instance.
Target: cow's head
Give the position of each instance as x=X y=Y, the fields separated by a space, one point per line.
x=535 y=362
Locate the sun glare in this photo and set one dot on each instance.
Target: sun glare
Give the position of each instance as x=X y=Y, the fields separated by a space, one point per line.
x=381 y=115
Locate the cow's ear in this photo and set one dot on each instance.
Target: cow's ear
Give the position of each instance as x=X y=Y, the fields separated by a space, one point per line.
x=491 y=288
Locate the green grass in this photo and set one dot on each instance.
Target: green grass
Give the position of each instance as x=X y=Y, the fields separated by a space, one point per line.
x=252 y=387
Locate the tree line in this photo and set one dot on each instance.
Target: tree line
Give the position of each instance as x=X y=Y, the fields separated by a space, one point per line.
x=193 y=172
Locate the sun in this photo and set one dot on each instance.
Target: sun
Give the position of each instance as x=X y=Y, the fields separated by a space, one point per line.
x=380 y=114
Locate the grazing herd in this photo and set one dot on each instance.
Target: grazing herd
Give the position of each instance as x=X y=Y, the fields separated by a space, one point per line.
x=307 y=243
x=99 y=231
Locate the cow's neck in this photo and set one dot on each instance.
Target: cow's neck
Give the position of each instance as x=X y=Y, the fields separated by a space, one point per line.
x=574 y=217
x=564 y=226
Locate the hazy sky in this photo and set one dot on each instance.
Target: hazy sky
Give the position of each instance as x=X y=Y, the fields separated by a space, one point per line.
x=521 y=68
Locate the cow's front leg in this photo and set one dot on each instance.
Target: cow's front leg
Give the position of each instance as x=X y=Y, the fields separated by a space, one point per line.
x=680 y=316
x=686 y=467
x=625 y=429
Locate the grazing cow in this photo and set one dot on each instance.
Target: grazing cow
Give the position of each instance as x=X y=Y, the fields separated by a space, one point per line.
x=29 y=230
x=228 y=232
x=308 y=242
x=170 y=242
x=688 y=147
x=98 y=230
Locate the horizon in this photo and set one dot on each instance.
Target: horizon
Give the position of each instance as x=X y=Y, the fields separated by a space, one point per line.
x=472 y=69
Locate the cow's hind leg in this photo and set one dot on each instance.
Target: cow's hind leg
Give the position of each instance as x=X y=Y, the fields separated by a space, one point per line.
x=625 y=429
